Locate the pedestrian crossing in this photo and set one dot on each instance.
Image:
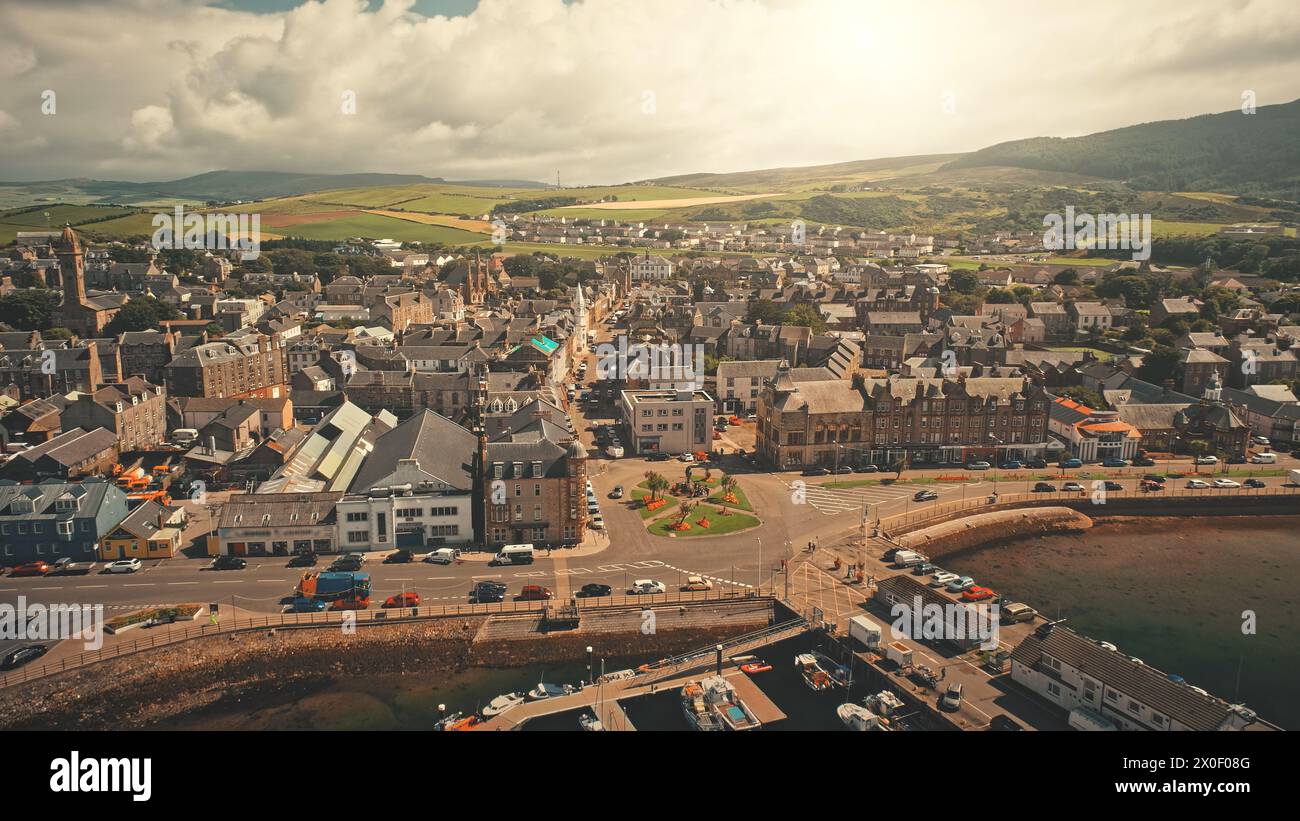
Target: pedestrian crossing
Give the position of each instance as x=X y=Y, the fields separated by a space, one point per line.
x=833 y=501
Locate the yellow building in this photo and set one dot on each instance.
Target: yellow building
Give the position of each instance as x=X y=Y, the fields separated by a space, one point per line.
x=149 y=532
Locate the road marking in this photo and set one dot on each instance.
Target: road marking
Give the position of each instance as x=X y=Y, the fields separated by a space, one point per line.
x=226 y=582
x=92 y=586
x=47 y=588
x=139 y=584
x=438 y=578
x=173 y=583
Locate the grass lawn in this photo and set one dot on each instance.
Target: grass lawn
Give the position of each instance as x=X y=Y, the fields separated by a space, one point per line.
x=718 y=524
x=649 y=514
x=741 y=503
x=373 y=225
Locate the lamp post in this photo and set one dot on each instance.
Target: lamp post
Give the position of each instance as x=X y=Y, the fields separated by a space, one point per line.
x=590 y=680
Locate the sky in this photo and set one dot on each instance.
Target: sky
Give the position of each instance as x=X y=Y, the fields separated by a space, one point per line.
x=602 y=91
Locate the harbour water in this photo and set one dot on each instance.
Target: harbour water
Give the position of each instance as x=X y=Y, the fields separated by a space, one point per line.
x=1174 y=592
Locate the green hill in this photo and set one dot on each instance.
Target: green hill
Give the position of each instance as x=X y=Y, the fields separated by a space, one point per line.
x=1257 y=154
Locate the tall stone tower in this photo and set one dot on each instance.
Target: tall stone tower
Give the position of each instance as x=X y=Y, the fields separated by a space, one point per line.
x=72 y=266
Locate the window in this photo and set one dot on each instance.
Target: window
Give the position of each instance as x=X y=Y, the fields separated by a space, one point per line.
x=537 y=489
x=359 y=517
x=358 y=535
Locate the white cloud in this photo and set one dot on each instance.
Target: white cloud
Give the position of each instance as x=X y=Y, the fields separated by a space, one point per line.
x=523 y=88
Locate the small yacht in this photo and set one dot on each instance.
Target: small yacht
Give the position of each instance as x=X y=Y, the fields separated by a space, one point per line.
x=544 y=690
x=590 y=723
x=500 y=704
x=859 y=718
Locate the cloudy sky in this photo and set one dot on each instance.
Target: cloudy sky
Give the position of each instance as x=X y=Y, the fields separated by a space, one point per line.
x=602 y=91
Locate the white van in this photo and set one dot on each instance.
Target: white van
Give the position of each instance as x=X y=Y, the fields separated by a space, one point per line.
x=1264 y=459
x=514 y=554
x=185 y=436
x=907 y=558
x=443 y=555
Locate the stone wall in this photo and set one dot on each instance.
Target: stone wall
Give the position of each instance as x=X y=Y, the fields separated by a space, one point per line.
x=954 y=536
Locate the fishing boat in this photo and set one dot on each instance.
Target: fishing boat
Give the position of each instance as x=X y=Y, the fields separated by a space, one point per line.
x=590 y=723
x=884 y=703
x=838 y=672
x=500 y=704
x=814 y=676
x=712 y=704
x=859 y=718
x=544 y=690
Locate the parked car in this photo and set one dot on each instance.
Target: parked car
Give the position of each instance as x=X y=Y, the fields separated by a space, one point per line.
x=816 y=471
x=31 y=569
x=124 y=566
x=1152 y=486
x=1143 y=462
x=657 y=456
x=697 y=583
x=535 y=592
x=1225 y=483
x=976 y=593
x=1206 y=460
x=1044 y=487
x=1016 y=612
x=1256 y=483
x=592 y=591
x=303 y=560
x=442 y=555
x=646 y=587
x=1036 y=464
x=1070 y=463
x=1114 y=463
x=398 y=557
x=978 y=466
x=1112 y=486
x=1013 y=464
x=305 y=605
x=617 y=492
x=345 y=564
x=23 y=655
x=225 y=562
x=951 y=700
x=1072 y=487
x=487 y=593
x=1259 y=440
x=923 y=568
x=959 y=584
x=867 y=468
x=925 y=496
x=407 y=599
x=1197 y=484
x=350 y=603
x=844 y=469
x=942 y=578
x=686 y=457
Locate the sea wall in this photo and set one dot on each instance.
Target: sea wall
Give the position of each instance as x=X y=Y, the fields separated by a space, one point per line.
x=967 y=532
x=154 y=686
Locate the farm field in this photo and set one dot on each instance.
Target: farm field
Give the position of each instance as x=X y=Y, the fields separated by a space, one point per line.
x=684 y=202
x=376 y=226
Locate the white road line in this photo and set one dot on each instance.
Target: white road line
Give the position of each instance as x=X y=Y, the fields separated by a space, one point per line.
x=175 y=583
x=92 y=586
x=47 y=588
x=139 y=584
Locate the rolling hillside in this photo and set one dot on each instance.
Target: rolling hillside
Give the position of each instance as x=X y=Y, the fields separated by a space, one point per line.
x=1232 y=152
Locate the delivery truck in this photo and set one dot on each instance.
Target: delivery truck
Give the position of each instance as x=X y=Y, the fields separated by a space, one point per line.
x=333 y=586
x=866 y=631
x=907 y=558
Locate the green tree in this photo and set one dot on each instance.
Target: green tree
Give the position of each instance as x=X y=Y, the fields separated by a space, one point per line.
x=805 y=315
x=141 y=315
x=29 y=310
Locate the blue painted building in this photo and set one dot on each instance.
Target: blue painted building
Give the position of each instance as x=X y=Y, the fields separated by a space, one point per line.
x=53 y=519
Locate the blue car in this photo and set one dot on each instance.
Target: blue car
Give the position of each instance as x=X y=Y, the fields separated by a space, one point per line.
x=1011 y=465
x=1070 y=463
x=303 y=605
x=1114 y=463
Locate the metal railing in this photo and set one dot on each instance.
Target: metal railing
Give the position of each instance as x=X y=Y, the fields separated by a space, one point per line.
x=232 y=623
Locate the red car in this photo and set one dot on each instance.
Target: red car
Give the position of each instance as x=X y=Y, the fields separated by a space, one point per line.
x=403 y=600
x=977 y=593
x=535 y=592
x=350 y=604
x=31 y=569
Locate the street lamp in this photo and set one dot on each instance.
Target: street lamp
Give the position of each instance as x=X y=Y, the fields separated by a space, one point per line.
x=589 y=660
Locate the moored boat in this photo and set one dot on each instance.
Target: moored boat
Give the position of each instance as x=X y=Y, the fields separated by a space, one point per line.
x=500 y=704
x=712 y=704
x=814 y=676
x=859 y=718
x=590 y=723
